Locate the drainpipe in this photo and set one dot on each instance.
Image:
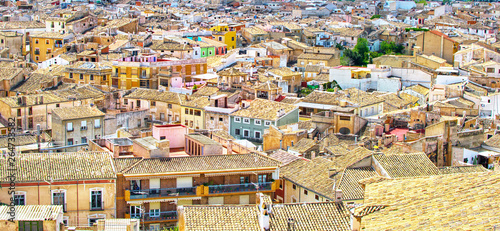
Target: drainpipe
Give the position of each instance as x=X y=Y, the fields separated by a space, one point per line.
x=442 y=43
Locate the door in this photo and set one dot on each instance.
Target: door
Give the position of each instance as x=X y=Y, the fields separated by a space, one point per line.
x=154 y=185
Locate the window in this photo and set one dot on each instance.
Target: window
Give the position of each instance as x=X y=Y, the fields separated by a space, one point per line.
x=58 y=105
x=305 y=192
x=47 y=41
x=209 y=52
x=19 y=199
x=70 y=141
x=70 y=75
x=186 y=111
x=36 y=41
x=30 y=225
x=294 y=186
x=244 y=179
x=281 y=185
x=162 y=137
x=267 y=123
x=97 y=123
x=257 y=134
x=221 y=119
x=153 y=103
x=91 y=77
x=84 y=125
x=232 y=38
x=211 y=118
x=316 y=197
x=257 y=122
x=262 y=178
x=19 y=111
x=104 y=78
x=135 y=185
x=246 y=121
x=59 y=198
x=237 y=132
x=154 y=212
x=84 y=140
x=191 y=111
x=135 y=211
x=197 y=112
x=69 y=127
x=246 y=133
x=169 y=106
x=96 y=202
x=81 y=76
x=345 y=118
x=220 y=38
x=237 y=119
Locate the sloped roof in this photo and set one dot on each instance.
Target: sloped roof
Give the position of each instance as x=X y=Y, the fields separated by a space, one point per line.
x=446 y=202
x=36 y=167
x=202 y=163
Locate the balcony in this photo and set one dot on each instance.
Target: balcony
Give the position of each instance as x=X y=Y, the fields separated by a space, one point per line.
x=96 y=206
x=162 y=192
x=237 y=188
x=162 y=216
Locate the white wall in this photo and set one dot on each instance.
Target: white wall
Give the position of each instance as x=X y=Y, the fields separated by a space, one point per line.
x=411 y=77
x=389 y=84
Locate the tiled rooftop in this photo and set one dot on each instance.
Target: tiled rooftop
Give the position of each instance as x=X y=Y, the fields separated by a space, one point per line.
x=150 y=94
x=61 y=166
x=446 y=202
x=264 y=109
x=202 y=164
x=70 y=113
x=32 y=212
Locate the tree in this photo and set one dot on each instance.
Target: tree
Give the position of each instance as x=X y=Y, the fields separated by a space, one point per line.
x=339 y=46
x=375 y=16
x=362 y=47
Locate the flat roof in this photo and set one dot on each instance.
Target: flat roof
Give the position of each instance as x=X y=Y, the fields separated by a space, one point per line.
x=202 y=139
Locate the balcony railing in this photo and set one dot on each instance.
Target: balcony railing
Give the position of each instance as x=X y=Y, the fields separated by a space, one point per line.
x=248 y=187
x=162 y=216
x=162 y=192
x=96 y=206
x=63 y=205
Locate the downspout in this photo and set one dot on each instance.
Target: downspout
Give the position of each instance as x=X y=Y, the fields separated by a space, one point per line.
x=442 y=43
x=77 y=208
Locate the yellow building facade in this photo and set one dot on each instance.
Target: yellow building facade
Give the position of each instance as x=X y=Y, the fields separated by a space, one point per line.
x=132 y=72
x=222 y=33
x=43 y=46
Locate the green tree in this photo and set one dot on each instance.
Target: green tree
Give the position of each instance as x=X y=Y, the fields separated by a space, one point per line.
x=362 y=47
x=339 y=46
x=375 y=16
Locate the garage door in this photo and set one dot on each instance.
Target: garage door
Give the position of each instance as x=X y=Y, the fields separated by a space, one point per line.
x=216 y=200
x=184 y=182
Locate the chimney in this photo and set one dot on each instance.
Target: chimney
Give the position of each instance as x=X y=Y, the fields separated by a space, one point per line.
x=41 y=99
x=291 y=224
x=24 y=100
x=313 y=154
x=264 y=211
x=281 y=144
x=36 y=100
x=19 y=100
x=338 y=195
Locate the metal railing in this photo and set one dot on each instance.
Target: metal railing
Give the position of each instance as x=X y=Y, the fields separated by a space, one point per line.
x=162 y=192
x=248 y=187
x=161 y=216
